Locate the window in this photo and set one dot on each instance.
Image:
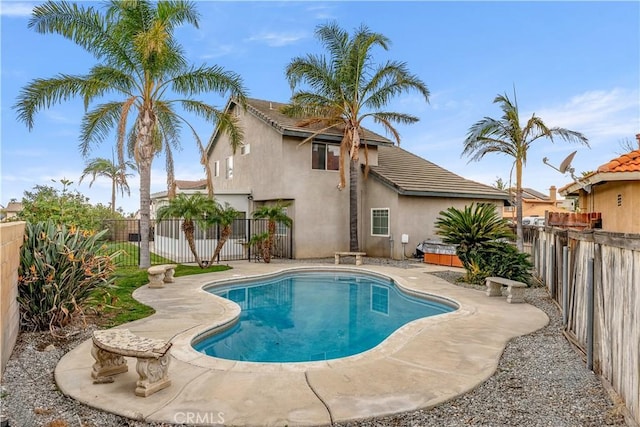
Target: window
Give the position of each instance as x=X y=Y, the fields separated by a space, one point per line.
x=229 y=167
x=245 y=149
x=380 y=222
x=325 y=156
x=216 y=168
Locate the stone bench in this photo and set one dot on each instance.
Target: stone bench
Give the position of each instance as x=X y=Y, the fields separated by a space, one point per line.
x=160 y=274
x=515 y=289
x=358 y=256
x=109 y=348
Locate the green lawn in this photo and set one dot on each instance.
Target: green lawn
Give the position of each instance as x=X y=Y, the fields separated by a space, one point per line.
x=117 y=305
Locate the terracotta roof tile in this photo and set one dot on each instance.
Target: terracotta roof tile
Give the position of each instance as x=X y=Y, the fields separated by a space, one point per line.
x=629 y=162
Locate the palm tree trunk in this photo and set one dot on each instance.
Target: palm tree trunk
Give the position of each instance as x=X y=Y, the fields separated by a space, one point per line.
x=519 y=241
x=268 y=247
x=145 y=202
x=145 y=151
x=353 y=206
x=113 y=195
x=224 y=236
x=188 y=228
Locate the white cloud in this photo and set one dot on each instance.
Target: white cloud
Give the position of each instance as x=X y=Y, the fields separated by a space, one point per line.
x=220 y=51
x=599 y=114
x=19 y=9
x=273 y=39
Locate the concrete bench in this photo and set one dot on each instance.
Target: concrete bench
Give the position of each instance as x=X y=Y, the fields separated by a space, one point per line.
x=110 y=347
x=515 y=289
x=358 y=256
x=160 y=274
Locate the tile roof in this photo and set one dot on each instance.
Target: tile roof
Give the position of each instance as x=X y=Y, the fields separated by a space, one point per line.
x=410 y=174
x=269 y=111
x=629 y=162
x=191 y=185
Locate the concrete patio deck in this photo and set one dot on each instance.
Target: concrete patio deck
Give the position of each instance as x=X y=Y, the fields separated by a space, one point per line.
x=423 y=364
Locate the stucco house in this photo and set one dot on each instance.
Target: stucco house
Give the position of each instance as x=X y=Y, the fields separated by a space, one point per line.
x=613 y=191
x=536 y=204
x=402 y=195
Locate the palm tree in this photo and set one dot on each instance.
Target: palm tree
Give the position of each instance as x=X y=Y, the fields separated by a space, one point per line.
x=507 y=137
x=342 y=90
x=191 y=209
x=223 y=216
x=140 y=63
x=273 y=214
x=108 y=169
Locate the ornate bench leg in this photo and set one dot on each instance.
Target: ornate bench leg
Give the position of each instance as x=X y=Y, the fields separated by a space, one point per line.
x=168 y=275
x=515 y=295
x=154 y=375
x=107 y=364
x=358 y=259
x=156 y=280
x=337 y=259
x=494 y=289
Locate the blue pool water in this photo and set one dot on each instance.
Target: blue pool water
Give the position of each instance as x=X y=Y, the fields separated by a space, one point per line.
x=310 y=316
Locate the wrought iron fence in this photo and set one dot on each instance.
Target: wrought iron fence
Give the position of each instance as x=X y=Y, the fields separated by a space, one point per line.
x=168 y=242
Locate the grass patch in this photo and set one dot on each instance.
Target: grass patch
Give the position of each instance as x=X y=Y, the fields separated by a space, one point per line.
x=129 y=254
x=116 y=305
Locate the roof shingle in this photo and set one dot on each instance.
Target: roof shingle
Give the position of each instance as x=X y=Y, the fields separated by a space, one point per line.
x=412 y=175
x=629 y=162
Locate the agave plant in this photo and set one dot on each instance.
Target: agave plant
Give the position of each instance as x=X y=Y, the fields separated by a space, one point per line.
x=59 y=269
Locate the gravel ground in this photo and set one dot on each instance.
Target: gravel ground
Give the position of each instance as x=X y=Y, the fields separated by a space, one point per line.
x=540 y=381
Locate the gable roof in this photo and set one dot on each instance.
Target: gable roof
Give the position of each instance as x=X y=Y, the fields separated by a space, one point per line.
x=191 y=185
x=411 y=175
x=623 y=168
x=269 y=112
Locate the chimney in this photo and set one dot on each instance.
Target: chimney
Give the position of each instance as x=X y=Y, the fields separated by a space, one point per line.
x=638 y=139
x=552 y=193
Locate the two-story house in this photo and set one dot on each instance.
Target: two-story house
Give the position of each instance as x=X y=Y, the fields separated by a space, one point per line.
x=402 y=195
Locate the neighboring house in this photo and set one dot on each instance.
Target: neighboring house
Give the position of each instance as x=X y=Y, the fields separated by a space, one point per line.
x=535 y=204
x=613 y=191
x=403 y=193
x=161 y=198
x=12 y=210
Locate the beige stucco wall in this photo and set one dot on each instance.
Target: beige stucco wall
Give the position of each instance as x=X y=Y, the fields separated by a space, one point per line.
x=604 y=199
x=411 y=215
x=11 y=237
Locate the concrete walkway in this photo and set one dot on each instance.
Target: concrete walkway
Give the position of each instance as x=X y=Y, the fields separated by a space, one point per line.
x=423 y=364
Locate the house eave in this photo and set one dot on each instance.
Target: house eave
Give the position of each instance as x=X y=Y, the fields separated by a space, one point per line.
x=574 y=188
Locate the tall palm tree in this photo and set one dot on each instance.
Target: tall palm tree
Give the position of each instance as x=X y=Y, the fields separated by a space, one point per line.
x=223 y=216
x=191 y=209
x=274 y=214
x=343 y=89
x=506 y=136
x=108 y=169
x=143 y=66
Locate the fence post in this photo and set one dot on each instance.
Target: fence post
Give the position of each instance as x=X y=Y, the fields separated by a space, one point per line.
x=590 y=314
x=249 y=239
x=552 y=283
x=139 y=240
x=565 y=285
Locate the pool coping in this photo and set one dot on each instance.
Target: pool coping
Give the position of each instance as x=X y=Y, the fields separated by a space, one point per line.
x=405 y=372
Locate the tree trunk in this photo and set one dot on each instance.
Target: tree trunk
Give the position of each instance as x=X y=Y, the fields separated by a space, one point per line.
x=353 y=206
x=519 y=242
x=144 y=157
x=224 y=236
x=144 y=167
x=188 y=228
x=268 y=247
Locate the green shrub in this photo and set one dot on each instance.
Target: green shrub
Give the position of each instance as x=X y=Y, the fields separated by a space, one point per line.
x=59 y=268
x=482 y=243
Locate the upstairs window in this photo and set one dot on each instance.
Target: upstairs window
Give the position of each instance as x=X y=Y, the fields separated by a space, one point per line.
x=229 y=168
x=245 y=149
x=216 y=168
x=325 y=156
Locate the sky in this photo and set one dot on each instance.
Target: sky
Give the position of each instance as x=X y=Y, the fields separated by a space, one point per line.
x=574 y=64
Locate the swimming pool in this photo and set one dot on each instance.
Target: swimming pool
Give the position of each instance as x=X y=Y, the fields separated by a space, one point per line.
x=311 y=316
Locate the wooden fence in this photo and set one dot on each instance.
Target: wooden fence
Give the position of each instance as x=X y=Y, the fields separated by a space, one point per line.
x=595 y=278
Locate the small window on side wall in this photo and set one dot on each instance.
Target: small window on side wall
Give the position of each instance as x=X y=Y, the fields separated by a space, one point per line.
x=229 y=168
x=380 y=222
x=216 y=168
